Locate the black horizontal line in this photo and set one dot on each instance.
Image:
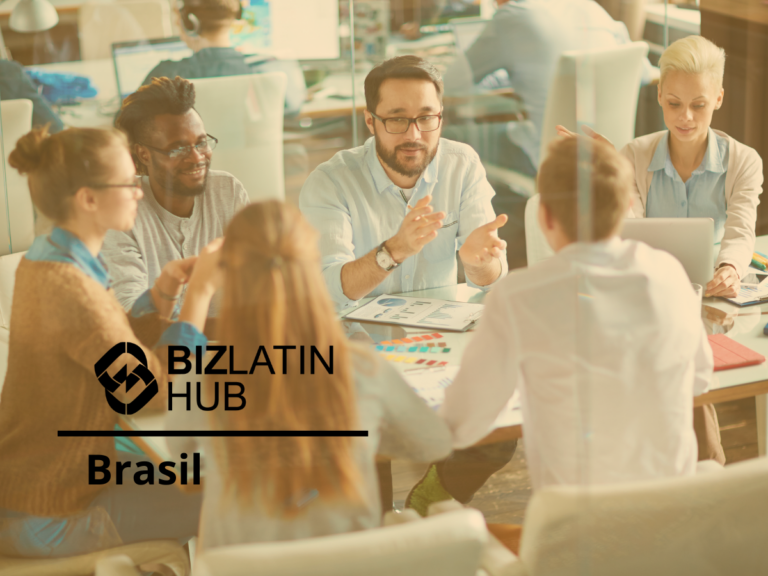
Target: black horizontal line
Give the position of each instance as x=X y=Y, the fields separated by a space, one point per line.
x=209 y=433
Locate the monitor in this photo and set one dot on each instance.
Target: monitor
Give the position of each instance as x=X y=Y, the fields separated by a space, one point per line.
x=295 y=30
x=134 y=60
x=466 y=31
x=690 y=240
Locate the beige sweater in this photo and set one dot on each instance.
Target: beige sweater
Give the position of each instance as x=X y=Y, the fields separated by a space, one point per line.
x=63 y=322
x=743 y=185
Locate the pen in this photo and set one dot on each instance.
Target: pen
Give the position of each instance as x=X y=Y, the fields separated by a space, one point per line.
x=758 y=265
x=760 y=258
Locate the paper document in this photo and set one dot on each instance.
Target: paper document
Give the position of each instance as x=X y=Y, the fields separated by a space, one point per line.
x=427 y=313
x=754 y=289
x=430 y=385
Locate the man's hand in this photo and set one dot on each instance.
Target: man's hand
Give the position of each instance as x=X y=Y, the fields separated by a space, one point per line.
x=726 y=282
x=565 y=133
x=483 y=244
x=419 y=227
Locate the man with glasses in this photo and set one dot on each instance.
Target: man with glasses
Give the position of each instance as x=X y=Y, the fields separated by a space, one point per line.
x=185 y=204
x=393 y=212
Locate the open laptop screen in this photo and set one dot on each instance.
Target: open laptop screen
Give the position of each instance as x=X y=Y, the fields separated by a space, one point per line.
x=134 y=60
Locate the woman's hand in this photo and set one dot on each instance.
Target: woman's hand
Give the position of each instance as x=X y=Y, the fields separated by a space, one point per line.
x=726 y=283
x=207 y=277
x=167 y=287
x=565 y=133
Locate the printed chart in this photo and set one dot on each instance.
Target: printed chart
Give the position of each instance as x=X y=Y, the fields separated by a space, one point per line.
x=418 y=312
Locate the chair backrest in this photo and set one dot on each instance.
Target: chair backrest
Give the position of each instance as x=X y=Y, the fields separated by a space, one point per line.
x=607 y=80
x=101 y=23
x=449 y=544
x=536 y=246
x=605 y=83
x=8 y=265
x=16 y=215
x=713 y=523
x=246 y=114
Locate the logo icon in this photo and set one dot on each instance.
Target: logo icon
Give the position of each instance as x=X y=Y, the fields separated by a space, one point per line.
x=141 y=372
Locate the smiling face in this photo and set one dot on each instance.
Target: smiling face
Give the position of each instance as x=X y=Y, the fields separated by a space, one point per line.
x=409 y=153
x=183 y=176
x=688 y=102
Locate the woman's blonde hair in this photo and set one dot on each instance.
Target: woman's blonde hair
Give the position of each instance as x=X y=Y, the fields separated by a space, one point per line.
x=694 y=55
x=275 y=295
x=59 y=165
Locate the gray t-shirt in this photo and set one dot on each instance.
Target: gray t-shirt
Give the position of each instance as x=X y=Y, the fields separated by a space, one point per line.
x=399 y=424
x=136 y=258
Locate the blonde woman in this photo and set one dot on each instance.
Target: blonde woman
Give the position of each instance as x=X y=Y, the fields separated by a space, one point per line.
x=283 y=488
x=691 y=170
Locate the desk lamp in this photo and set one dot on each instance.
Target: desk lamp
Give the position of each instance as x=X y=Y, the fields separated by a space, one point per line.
x=30 y=16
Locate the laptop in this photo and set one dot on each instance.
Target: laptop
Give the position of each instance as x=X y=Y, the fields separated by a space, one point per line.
x=134 y=60
x=466 y=31
x=690 y=240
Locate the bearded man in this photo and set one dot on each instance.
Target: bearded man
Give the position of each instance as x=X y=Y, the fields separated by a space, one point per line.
x=186 y=205
x=393 y=212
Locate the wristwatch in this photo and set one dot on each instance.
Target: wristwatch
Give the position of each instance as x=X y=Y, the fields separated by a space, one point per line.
x=384 y=258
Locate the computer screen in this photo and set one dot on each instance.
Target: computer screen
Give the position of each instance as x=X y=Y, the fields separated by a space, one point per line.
x=295 y=30
x=134 y=60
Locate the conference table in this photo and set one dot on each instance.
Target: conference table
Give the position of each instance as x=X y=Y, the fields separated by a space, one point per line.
x=744 y=325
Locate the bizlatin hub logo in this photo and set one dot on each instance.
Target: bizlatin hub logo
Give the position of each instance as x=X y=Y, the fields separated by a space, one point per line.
x=183 y=361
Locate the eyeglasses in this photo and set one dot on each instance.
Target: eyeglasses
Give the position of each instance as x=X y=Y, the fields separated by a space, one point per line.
x=135 y=184
x=206 y=145
x=402 y=125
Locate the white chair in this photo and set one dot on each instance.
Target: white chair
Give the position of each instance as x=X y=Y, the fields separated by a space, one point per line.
x=101 y=23
x=246 y=114
x=452 y=544
x=17 y=216
x=163 y=552
x=536 y=246
x=714 y=524
x=606 y=85
x=8 y=265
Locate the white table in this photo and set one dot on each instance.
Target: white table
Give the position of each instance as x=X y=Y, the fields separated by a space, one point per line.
x=727 y=385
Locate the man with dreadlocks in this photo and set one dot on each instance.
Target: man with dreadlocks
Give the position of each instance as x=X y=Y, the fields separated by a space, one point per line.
x=186 y=205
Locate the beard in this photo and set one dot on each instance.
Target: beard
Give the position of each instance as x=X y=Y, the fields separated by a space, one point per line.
x=171 y=179
x=389 y=157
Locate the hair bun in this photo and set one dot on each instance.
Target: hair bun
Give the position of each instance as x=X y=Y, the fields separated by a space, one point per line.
x=28 y=154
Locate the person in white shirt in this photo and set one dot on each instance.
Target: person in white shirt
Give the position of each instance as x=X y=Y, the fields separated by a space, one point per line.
x=604 y=341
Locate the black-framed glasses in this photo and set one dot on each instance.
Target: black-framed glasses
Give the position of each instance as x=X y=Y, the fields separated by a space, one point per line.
x=204 y=146
x=402 y=125
x=135 y=184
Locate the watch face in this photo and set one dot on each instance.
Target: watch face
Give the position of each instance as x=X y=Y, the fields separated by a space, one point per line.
x=384 y=260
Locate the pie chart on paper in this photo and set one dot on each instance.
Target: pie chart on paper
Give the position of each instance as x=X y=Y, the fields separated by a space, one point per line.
x=391 y=302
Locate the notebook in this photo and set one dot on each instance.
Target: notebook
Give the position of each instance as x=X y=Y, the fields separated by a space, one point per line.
x=730 y=354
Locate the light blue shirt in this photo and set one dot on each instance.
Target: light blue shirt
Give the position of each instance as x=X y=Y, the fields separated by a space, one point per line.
x=526 y=37
x=355 y=206
x=702 y=196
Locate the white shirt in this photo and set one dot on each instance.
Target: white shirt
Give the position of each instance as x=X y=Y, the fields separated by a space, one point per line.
x=605 y=343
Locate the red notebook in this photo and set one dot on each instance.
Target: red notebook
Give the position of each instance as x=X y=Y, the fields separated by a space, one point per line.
x=730 y=354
